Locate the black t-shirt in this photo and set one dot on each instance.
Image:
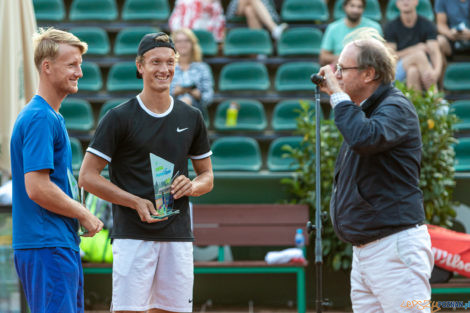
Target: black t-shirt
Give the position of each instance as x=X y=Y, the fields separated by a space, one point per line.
x=405 y=37
x=125 y=137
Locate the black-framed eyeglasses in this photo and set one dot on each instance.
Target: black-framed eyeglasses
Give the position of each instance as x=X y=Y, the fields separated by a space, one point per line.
x=340 y=69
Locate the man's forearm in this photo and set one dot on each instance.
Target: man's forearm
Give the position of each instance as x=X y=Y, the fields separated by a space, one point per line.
x=50 y=197
x=106 y=190
x=436 y=57
x=202 y=183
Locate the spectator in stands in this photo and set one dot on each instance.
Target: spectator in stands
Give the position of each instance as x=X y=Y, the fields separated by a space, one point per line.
x=193 y=82
x=453 y=25
x=333 y=39
x=199 y=14
x=414 y=38
x=46 y=214
x=258 y=13
x=152 y=254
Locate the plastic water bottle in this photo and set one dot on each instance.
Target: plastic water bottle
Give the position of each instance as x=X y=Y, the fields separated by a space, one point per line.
x=232 y=114
x=299 y=238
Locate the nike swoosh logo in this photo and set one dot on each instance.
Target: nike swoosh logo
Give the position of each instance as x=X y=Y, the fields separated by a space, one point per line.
x=190 y=300
x=179 y=130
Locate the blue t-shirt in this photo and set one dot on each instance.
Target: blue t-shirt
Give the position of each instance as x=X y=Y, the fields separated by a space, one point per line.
x=457 y=11
x=39 y=141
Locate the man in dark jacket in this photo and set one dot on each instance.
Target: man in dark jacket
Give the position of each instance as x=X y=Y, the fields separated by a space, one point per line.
x=376 y=203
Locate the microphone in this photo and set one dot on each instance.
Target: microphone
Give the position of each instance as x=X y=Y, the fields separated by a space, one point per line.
x=317 y=79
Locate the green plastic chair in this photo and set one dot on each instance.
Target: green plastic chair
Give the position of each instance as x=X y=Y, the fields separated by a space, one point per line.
x=251 y=115
x=127 y=40
x=461 y=108
x=91 y=80
x=277 y=155
x=206 y=41
x=372 y=10
x=300 y=41
x=103 y=10
x=285 y=114
x=77 y=154
x=108 y=105
x=244 y=76
x=78 y=114
x=457 y=77
x=145 y=10
x=304 y=10
x=49 y=10
x=236 y=154
x=462 y=155
x=122 y=77
x=96 y=38
x=295 y=76
x=424 y=8
x=246 y=41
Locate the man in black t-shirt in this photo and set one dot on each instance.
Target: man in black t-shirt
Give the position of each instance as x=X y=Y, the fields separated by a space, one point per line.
x=414 y=38
x=153 y=263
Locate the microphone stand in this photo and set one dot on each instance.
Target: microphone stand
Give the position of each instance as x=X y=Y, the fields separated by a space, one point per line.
x=318 y=223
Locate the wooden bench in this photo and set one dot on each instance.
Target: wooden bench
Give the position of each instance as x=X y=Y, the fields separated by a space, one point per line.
x=247 y=225
x=456 y=285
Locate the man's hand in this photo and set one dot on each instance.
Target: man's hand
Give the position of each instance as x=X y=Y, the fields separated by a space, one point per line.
x=464 y=34
x=330 y=85
x=453 y=34
x=422 y=46
x=430 y=77
x=145 y=208
x=182 y=186
x=91 y=223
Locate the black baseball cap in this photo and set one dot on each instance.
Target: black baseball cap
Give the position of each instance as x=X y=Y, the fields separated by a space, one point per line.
x=149 y=42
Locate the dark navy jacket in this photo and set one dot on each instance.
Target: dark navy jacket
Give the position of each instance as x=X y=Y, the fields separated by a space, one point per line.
x=375 y=188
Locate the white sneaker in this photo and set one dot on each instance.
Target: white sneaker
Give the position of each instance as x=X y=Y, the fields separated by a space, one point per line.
x=278 y=30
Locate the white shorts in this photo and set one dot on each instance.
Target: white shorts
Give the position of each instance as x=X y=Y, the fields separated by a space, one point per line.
x=151 y=274
x=392 y=274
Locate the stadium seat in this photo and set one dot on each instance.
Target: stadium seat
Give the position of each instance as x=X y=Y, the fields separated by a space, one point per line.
x=372 y=10
x=246 y=41
x=91 y=80
x=206 y=41
x=285 y=114
x=128 y=39
x=77 y=154
x=108 y=105
x=122 y=77
x=96 y=38
x=295 y=76
x=276 y=156
x=244 y=76
x=145 y=10
x=461 y=108
x=457 y=77
x=78 y=114
x=304 y=10
x=462 y=155
x=424 y=8
x=49 y=10
x=236 y=154
x=103 y=10
x=300 y=41
x=251 y=115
